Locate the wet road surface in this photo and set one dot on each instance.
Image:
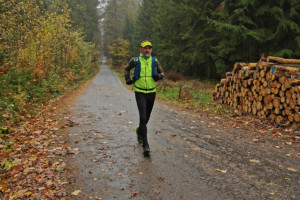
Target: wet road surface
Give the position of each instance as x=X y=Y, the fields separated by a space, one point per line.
x=193 y=157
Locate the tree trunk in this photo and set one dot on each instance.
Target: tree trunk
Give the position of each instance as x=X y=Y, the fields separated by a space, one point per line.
x=283 y=60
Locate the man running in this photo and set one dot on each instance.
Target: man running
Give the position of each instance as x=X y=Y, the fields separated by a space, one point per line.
x=147 y=71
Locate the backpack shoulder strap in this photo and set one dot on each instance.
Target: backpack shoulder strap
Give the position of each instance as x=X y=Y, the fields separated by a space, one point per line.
x=137 y=69
x=154 y=65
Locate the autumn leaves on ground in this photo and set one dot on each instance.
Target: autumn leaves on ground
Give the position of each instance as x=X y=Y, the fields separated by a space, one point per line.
x=30 y=164
x=32 y=153
x=42 y=56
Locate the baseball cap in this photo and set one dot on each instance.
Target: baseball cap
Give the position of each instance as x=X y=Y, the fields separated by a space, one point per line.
x=146 y=43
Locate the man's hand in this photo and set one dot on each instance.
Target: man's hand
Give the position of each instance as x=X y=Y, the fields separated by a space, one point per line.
x=157 y=77
x=129 y=81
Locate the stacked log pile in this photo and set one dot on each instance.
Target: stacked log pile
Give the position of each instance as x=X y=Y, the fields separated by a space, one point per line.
x=269 y=88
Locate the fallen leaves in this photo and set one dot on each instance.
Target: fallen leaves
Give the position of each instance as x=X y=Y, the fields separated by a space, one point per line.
x=254 y=161
x=30 y=169
x=211 y=125
x=76 y=192
x=196 y=149
x=288 y=143
x=70 y=123
x=121 y=175
x=73 y=151
x=27 y=194
x=156 y=191
x=257 y=140
x=134 y=194
x=292 y=169
x=222 y=171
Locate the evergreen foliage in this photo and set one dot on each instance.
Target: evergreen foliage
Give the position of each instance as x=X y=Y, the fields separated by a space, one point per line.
x=204 y=38
x=118 y=21
x=144 y=25
x=248 y=29
x=84 y=15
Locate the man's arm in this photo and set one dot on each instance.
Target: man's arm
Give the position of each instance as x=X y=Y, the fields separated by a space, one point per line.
x=160 y=70
x=127 y=69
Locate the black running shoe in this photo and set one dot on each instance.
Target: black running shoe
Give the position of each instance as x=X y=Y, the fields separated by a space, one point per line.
x=146 y=149
x=138 y=136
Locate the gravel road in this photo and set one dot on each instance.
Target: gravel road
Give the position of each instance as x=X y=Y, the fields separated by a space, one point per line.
x=193 y=156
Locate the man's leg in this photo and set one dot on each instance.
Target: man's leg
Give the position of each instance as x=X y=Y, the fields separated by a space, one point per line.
x=150 y=98
x=139 y=135
x=141 y=104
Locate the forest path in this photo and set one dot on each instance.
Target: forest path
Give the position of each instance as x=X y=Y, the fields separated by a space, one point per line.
x=193 y=157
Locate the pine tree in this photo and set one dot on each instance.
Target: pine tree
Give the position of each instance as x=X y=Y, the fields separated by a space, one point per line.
x=248 y=29
x=144 y=25
x=84 y=15
x=184 y=36
x=199 y=37
x=118 y=21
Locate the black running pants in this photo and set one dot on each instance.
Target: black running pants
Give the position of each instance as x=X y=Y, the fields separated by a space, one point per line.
x=145 y=104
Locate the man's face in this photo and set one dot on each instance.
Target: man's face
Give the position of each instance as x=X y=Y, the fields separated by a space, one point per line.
x=146 y=51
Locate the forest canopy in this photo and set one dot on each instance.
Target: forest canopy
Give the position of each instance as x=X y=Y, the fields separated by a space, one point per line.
x=204 y=38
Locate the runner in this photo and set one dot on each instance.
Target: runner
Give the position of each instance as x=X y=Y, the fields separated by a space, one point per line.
x=147 y=71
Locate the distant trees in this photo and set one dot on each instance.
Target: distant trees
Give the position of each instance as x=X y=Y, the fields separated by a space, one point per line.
x=119 y=52
x=127 y=19
x=118 y=23
x=84 y=15
x=203 y=38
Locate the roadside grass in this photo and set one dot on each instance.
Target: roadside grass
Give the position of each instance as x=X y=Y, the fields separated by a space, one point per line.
x=188 y=92
x=195 y=94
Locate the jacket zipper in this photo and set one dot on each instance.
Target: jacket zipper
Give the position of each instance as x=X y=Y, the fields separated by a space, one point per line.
x=146 y=73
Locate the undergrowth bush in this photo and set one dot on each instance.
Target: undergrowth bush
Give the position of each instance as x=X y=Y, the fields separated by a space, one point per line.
x=173 y=76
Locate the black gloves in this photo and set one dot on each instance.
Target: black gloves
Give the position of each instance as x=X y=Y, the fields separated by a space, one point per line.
x=129 y=81
x=157 y=77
